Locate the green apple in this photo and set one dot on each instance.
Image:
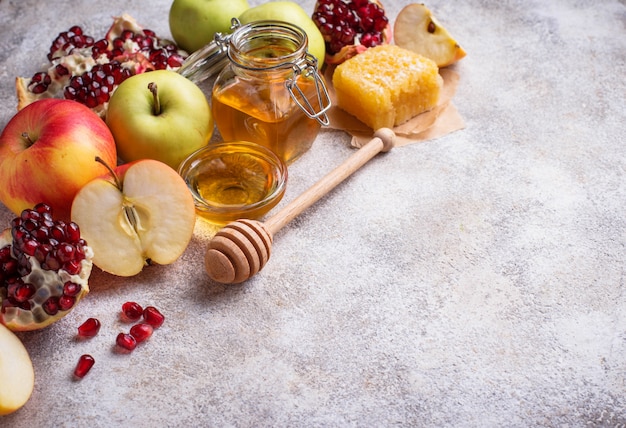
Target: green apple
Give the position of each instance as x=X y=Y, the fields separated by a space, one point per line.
x=193 y=23
x=293 y=13
x=159 y=115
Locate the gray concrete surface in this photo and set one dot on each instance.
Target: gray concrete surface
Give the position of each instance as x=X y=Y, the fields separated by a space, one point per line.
x=477 y=280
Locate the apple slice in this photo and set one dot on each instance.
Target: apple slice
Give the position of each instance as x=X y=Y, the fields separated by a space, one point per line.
x=142 y=212
x=417 y=29
x=17 y=377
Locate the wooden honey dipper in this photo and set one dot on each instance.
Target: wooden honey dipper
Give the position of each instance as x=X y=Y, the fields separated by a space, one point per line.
x=242 y=248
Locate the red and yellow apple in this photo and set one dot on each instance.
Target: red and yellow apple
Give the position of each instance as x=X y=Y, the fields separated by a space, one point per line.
x=159 y=115
x=17 y=377
x=141 y=212
x=47 y=153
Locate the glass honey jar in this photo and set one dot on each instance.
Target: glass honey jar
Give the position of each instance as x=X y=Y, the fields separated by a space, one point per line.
x=269 y=90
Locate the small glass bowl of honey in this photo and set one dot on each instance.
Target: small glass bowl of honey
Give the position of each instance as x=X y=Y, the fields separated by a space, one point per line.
x=234 y=180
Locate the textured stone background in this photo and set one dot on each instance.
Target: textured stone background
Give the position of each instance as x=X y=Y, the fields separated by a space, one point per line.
x=475 y=280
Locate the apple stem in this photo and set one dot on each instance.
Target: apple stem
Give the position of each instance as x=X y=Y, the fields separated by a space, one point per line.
x=152 y=86
x=118 y=183
x=27 y=138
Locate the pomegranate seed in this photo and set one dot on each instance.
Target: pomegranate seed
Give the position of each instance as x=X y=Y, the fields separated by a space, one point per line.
x=66 y=302
x=42 y=233
x=141 y=331
x=39 y=88
x=23 y=292
x=8 y=267
x=51 y=305
x=89 y=328
x=57 y=232
x=72 y=267
x=153 y=316
x=132 y=311
x=5 y=252
x=71 y=288
x=72 y=231
x=126 y=341
x=65 y=252
x=85 y=363
x=61 y=70
x=29 y=246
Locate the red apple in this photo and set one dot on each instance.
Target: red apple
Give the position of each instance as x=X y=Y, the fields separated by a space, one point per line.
x=47 y=153
x=141 y=212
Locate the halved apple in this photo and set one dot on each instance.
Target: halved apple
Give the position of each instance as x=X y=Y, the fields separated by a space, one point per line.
x=141 y=213
x=17 y=377
x=417 y=29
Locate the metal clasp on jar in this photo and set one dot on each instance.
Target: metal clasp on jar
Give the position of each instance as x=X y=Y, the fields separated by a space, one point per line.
x=309 y=69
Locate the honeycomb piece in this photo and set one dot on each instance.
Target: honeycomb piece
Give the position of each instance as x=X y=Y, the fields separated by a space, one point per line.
x=387 y=85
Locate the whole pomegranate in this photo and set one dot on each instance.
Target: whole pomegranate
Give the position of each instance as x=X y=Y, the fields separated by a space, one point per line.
x=44 y=269
x=350 y=27
x=88 y=70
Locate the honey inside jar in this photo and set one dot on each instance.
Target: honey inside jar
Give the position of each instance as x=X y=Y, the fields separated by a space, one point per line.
x=245 y=112
x=253 y=97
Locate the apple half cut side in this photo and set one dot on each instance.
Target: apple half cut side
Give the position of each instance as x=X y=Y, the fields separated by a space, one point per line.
x=418 y=30
x=17 y=376
x=141 y=213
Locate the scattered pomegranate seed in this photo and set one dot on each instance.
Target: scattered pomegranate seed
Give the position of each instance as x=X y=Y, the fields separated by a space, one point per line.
x=153 y=316
x=126 y=341
x=132 y=311
x=85 y=363
x=89 y=328
x=141 y=331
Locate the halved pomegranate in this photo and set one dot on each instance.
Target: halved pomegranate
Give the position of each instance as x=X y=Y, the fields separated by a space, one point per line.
x=350 y=27
x=88 y=70
x=44 y=269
